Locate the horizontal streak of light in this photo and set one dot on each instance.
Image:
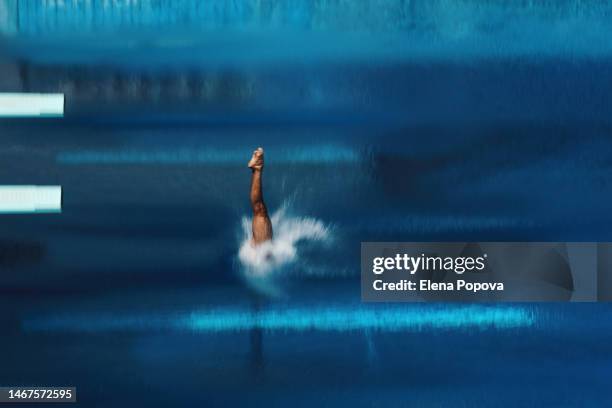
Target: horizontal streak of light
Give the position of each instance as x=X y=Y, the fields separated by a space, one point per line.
x=30 y=199
x=314 y=154
x=442 y=223
x=337 y=319
x=31 y=105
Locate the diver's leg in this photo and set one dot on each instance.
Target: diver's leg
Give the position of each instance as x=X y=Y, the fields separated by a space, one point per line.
x=262 y=227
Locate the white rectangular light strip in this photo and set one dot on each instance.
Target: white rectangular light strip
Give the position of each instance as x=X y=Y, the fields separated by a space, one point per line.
x=30 y=199
x=17 y=105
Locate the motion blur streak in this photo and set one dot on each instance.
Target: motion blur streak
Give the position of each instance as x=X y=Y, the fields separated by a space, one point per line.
x=441 y=223
x=306 y=154
x=335 y=319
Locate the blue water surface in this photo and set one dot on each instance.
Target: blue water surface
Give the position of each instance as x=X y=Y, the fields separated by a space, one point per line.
x=384 y=120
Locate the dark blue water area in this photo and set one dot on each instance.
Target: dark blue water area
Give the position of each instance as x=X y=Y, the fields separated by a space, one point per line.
x=149 y=233
x=495 y=129
x=559 y=357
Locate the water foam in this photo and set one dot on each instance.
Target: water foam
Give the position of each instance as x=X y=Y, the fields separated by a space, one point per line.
x=262 y=264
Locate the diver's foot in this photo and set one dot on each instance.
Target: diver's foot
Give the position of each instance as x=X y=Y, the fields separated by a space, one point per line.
x=257 y=161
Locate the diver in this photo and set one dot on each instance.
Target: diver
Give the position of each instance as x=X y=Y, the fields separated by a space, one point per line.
x=262 y=226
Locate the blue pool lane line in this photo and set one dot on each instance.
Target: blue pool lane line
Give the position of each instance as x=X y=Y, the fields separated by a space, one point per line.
x=333 y=319
x=306 y=154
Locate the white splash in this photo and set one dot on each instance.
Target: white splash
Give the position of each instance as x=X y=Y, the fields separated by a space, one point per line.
x=265 y=261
